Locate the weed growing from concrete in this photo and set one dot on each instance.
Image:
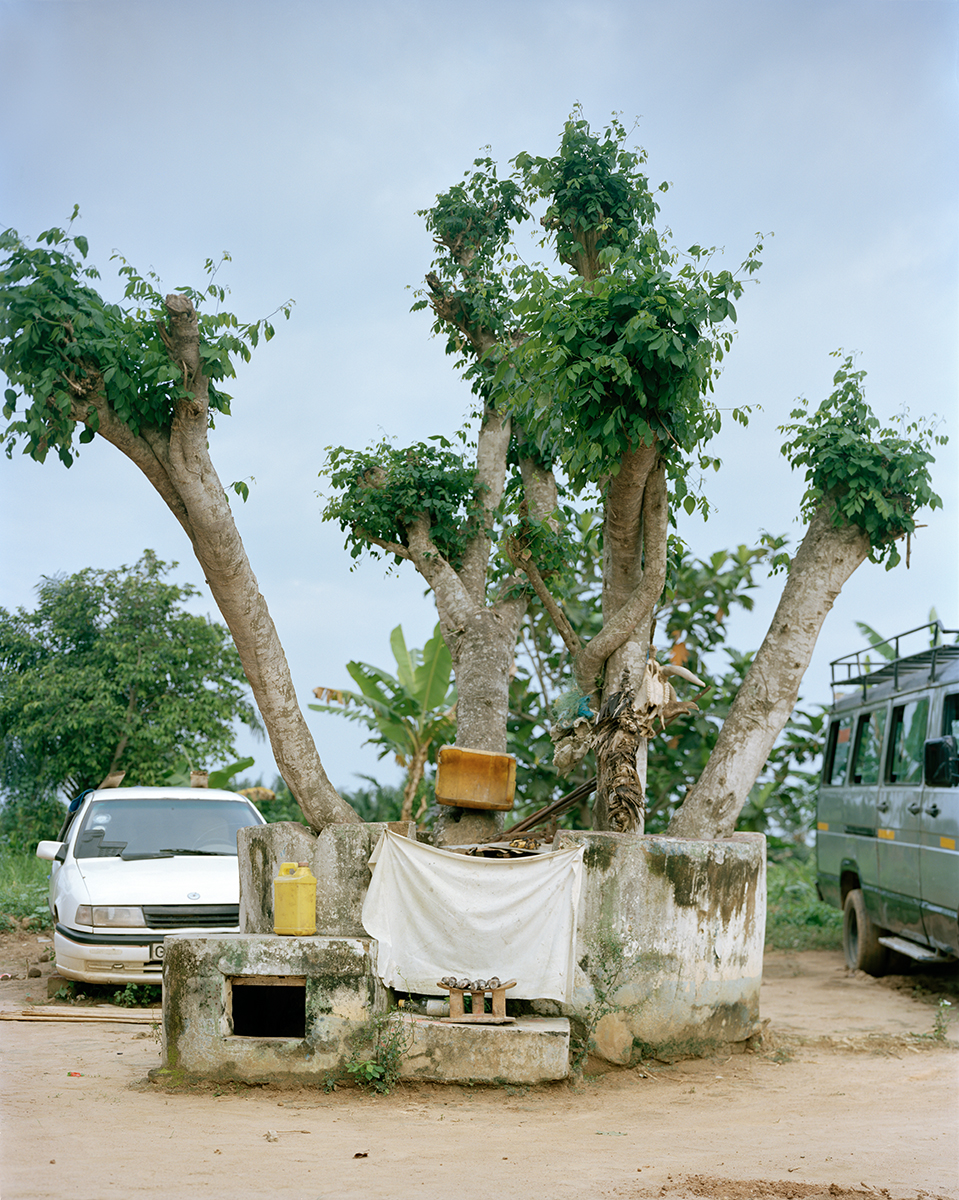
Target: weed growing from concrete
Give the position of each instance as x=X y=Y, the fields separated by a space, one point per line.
x=608 y=966
x=378 y=1047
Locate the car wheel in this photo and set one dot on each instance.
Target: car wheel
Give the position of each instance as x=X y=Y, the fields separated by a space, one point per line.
x=860 y=937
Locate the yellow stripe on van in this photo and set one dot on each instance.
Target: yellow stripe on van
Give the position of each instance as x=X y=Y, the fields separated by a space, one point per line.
x=947 y=843
x=888 y=834
x=823 y=826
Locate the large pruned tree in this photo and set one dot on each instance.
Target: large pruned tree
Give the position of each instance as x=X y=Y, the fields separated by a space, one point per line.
x=147 y=380
x=603 y=368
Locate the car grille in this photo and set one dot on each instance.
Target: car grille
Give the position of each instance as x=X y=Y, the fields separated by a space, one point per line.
x=192 y=916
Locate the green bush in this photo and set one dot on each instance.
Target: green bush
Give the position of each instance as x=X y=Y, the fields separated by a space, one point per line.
x=26 y=820
x=796 y=919
x=24 y=883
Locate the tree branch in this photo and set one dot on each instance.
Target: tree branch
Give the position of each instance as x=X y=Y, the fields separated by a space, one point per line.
x=491 y=450
x=622 y=528
x=389 y=547
x=827 y=556
x=453 y=601
x=616 y=631
x=522 y=560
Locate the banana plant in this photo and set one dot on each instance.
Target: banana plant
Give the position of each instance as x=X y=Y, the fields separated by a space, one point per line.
x=410 y=714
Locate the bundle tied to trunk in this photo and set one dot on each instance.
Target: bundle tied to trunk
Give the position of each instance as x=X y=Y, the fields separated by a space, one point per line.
x=627 y=717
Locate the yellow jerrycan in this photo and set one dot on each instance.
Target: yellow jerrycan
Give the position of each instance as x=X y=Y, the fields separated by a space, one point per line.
x=294 y=900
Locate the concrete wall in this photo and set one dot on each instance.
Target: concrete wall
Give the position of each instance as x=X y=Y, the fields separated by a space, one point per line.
x=338 y=857
x=670 y=941
x=199 y=974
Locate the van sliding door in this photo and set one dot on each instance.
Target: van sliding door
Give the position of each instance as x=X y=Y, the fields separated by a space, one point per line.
x=939 y=869
x=898 y=809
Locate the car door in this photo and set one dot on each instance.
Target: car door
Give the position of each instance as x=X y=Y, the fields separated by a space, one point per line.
x=939 y=856
x=899 y=807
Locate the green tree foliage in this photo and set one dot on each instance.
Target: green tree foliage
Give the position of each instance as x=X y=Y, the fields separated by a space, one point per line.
x=873 y=477
x=384 y=490
x=29 y=815
x=410 y=714
x=602 y=368
x=59 y=339
x=110 y=672
x=624 y=351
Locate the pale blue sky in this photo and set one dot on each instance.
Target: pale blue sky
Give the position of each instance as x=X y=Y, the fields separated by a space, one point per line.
x=302 y=137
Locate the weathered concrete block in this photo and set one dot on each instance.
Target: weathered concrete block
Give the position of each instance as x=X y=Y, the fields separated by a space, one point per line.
x=338 y=857
x=249 y=1007
x=533 y=1050
x=669 y=940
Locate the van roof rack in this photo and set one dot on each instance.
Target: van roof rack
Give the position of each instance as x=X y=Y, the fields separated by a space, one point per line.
x=857 y=669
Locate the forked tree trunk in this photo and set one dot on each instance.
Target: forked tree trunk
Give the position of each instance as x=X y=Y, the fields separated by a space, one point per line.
x=827 y=556
x=177 y=462
x=634 y=572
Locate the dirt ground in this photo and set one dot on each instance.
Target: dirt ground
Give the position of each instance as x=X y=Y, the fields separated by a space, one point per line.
x=849 y=1096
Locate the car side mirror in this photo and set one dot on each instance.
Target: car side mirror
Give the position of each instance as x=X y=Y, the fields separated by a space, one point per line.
x=942 y=762
x=52 y=851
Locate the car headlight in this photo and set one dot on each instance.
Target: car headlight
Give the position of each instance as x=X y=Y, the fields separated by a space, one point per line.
x=110 y=915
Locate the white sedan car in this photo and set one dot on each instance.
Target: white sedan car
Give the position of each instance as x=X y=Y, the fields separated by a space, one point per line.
x=136 y=863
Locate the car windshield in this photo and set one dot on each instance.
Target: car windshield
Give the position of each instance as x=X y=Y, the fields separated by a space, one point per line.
x=158 y=827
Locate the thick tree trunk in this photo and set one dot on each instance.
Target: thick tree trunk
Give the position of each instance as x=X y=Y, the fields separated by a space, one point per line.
x=178 y=464
x=482 y=652
x=826 y=557
x=634 y=571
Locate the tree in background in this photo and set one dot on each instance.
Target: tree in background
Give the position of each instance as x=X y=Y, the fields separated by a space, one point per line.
x=110 y=673
x=147 y=379
x=411 y=714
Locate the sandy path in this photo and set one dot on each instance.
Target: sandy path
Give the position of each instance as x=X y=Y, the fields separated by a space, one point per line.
x=841 y=1095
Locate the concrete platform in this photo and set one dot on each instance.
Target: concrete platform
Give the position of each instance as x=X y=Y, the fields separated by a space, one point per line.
x=532 y=1050
x=260 y=1007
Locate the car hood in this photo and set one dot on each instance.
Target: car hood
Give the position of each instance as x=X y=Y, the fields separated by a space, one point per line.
x=162 y=880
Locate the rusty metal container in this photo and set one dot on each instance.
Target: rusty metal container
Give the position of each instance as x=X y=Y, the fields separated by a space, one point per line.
x=475 y=779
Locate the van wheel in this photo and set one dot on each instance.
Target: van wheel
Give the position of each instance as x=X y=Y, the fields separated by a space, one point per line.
x=860 y=937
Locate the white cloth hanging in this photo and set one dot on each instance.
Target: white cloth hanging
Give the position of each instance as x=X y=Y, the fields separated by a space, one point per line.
x=435 y=913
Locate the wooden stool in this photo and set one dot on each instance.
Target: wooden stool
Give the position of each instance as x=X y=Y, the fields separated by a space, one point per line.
x=458 y=1014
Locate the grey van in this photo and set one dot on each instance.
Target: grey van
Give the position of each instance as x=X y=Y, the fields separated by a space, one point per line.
x=888 y=810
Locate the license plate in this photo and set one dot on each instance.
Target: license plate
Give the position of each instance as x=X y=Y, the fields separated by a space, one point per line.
x=156 y=952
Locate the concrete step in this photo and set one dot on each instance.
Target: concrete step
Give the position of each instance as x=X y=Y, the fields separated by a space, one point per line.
x=531 y=1050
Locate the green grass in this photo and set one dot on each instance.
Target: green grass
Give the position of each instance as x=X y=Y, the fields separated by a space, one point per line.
x=24 y=882
x=796 y=919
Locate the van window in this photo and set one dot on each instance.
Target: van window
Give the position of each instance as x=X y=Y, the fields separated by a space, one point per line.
x=840 y=742
x=866 y=759
x=950 y=717
x=907 y=741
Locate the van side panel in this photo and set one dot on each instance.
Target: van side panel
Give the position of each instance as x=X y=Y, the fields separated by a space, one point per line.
x=939 y=838
x=897 y=845
x=846 y=826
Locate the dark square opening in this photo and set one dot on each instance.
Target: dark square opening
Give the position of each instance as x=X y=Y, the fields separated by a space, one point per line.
x=269 y=1009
